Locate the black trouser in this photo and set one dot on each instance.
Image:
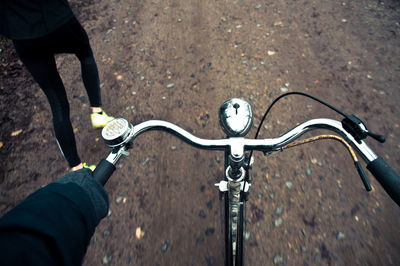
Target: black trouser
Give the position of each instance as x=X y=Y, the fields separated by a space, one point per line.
x=38 y=57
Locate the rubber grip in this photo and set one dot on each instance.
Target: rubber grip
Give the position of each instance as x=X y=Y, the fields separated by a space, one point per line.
x=387 y=177
x=103 y=171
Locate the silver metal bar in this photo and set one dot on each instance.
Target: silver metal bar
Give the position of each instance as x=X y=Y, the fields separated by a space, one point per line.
x=237 y=145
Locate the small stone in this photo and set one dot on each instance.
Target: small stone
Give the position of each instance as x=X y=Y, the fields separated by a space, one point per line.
x=343 y=4
x=173 y=148
x=179 y=20
x=245 y=63
x=133 y=93
x=369 y=77
x=170 y=86
x=118 y=200
x=145 y=161
x=308 y=171
x=142 y=78
x=287 y=84
x=202 y=214
x=271 y=53
x=165 y=245
x=257 y=7
x=277 y=175
x=106 y=233
x=107 y=259
x=209 y=231
x=247 y=235
x=284 y=90
x=278 y=259
x=238 y=26
x=278 y=222
x=210 y=261
x=340 y=236
x=344 y=20
x=229 y=31
x=278 y=211
x=308 y=106
x=289 y=184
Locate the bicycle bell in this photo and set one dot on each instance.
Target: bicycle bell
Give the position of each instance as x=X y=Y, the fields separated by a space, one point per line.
x=236 y=117
x=116 y=132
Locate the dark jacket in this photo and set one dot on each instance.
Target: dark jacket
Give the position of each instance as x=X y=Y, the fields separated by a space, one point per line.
x=29 y=19
x=53 y=226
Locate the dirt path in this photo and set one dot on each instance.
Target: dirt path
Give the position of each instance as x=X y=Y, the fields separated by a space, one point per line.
x=307 y=206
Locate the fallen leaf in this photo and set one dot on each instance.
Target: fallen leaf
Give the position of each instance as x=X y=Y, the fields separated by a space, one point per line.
x=139 y=233
x=16 y=133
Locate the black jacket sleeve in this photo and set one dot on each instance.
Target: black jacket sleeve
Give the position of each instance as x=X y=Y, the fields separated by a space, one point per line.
x=29 y=19
x=53 y=226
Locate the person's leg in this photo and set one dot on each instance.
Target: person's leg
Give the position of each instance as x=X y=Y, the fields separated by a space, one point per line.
x=73 y=39
x=80 y=46
x=44 y=71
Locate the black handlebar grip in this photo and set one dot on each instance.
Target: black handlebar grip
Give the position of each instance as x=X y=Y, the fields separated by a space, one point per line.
x=103 y=171
x=387 y=177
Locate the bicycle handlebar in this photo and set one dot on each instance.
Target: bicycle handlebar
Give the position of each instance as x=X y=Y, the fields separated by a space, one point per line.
x=121 y=134
x=265 y=145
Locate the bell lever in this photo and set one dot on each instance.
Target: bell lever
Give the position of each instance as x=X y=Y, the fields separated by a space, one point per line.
x=358 y=130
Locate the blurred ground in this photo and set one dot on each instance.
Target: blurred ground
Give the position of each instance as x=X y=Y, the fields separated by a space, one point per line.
x=307 y=206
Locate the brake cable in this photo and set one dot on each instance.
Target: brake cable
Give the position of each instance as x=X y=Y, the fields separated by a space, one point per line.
x=345 y=143
x=350 y=123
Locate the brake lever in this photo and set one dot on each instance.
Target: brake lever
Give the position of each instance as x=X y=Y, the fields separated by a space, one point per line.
x=364 y=178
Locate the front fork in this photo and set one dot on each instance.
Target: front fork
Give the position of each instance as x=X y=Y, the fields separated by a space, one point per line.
x=236 y=193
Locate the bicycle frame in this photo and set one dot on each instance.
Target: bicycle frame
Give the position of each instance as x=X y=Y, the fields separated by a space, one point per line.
x=120 y=135
x=236 y=119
